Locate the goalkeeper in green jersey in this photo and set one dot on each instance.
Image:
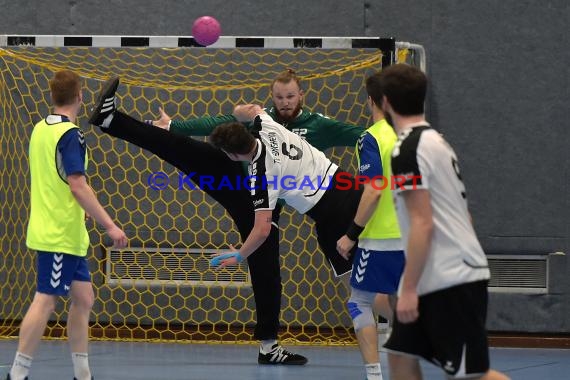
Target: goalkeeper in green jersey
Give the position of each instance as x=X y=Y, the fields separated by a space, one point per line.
x=320 y=131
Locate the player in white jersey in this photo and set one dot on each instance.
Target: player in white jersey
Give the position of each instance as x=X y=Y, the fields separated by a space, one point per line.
x=442 y=301
x=283 y=165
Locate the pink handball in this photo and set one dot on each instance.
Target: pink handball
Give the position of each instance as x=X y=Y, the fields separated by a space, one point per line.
x=206 y=30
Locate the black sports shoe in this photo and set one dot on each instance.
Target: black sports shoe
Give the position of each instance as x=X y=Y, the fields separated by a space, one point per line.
x=279 y=355
x=105 y=103
x=92 y=378
x=9 y=378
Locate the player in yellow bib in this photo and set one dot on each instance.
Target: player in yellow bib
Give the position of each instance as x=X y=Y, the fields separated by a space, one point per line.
x=379 y=258
x=60 y=197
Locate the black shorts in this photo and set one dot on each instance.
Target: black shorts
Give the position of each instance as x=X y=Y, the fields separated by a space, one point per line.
x=450 y=331
x=333 y=214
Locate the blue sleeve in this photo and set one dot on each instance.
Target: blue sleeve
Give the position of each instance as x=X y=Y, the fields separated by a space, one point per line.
x=71 y=146
x=370 y=164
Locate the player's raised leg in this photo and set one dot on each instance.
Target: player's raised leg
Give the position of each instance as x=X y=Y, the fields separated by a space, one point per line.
x=202 y=159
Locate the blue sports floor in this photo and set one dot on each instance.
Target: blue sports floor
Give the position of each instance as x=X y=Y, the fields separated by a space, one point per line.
x=157 y=361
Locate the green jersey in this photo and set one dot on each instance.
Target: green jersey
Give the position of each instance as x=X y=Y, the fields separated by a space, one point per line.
x=320 y=131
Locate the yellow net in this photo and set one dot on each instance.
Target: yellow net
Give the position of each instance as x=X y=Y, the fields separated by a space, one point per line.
x=161 y=287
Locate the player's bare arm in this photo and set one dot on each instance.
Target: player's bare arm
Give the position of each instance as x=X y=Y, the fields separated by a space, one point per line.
x=246 y=112
x=421 y=227
x=256 y=237
x=88 y=201
x=368 y=203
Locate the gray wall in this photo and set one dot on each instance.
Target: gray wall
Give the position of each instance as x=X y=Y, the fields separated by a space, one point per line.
x=499 y=92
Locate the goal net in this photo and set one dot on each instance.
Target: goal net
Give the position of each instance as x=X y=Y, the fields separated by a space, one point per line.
x=161 y=287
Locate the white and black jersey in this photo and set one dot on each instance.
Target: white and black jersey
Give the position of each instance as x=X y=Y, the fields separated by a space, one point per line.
x=455 y=256
x=286 y=166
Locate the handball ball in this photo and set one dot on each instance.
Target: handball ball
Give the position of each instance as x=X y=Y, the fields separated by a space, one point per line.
x=206 y=30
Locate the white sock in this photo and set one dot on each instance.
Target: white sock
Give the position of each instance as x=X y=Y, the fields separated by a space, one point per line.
x=81 y=365
x=373 y=371
x=21 y=366
x=107 y=121
x=267 y=345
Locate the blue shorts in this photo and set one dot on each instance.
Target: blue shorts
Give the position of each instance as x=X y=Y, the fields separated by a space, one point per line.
x=377 y=271
x=56 y=271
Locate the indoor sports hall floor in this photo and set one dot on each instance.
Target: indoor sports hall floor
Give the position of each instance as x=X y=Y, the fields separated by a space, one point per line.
x=172 y=361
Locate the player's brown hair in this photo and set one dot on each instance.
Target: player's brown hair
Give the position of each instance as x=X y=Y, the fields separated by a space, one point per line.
x=232 y=138
x=65 y=86
x=405 y=87
x=374 y=88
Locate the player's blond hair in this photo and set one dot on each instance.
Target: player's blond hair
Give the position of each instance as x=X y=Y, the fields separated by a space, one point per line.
x=286 y=77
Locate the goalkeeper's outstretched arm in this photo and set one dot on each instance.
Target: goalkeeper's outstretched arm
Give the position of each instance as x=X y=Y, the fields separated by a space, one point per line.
x=201 y=126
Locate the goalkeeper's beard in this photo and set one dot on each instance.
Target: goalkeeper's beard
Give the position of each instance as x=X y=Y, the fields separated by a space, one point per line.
x=288 y=118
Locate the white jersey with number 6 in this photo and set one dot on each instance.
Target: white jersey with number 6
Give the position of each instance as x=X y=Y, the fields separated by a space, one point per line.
x=286 y=166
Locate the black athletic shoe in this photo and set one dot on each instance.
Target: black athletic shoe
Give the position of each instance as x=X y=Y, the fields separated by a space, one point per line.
x=9 y=378
x=92 y=378
x=105 y=103
x=279 y=355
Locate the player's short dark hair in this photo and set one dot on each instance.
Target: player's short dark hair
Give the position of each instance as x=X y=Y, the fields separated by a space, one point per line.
x=65 y=86
x=405 y=87
x=232 y=138
x=374 y=88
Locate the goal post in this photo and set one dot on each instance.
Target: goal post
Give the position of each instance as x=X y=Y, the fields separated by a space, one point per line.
x=161 y=286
